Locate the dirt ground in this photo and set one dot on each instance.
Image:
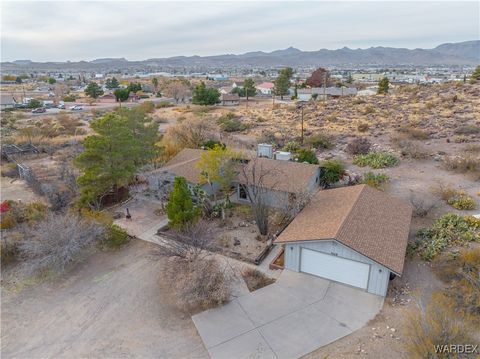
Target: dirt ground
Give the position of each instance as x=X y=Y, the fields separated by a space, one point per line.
x=15 y=189
x=111 y=306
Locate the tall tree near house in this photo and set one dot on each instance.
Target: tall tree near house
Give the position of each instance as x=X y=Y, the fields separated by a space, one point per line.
x=177 y=89
x=217 y=165
x=181 y=211
x=107 y=161
x=255 y=178
x=287 y=72
x=319 y=78
x=121 y=95
x=134 y=87
x=123 y=141
x=93 y=90
x=112 y=83
x=383 y=86
x=249 y=88
x=205 y=96
x=281 y=85
x=155 y=84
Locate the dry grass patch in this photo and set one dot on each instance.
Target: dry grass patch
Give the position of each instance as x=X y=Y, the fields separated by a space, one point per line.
x=254 y=279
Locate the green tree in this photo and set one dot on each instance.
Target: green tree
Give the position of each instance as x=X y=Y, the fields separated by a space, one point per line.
x=112 y=83
x=34 y=103
x=18 y=80
x=217 y=165
x=181 y=211
x=287 y=72
x=134 y=87
x=305 y=155
x=205 y=96
x=332 y=171
x=349 y=79
x=155 y=84
x=93 y=90
x=249 y=88
x=281 y=85
x=383 y=86
x=475 y=75
x=121 y=95
x=51 y=80
x=123 y=141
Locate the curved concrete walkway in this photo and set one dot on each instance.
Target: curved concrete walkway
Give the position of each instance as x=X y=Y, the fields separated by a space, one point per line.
x=288 y=319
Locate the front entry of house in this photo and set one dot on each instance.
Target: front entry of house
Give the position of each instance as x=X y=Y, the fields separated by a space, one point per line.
x=335 y=268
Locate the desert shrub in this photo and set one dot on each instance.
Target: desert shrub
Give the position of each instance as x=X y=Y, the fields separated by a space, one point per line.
x=376 y=160
x=319 y=140
x=461 y=272
x=462 y=163
x=9 y=246
x=467 y=130
x=164 y=104
x=254 y=279
x=472 y=147
x=363 y=127
x=230 y=123
x=451 y=229
x=438 y=325
x=462 y=201
x=58 y=241
x=210 y=144
x=331 y=172
x=414 y=133
x=9 y=170
x=359 y=145
x=292 y=146
x=305 y=155
x=70 y=98
x=456 y=198
x=368 y=109
x=421 y=206
x=375 y=180
x=115 y=237
x=413 y=150
x=16 y=213
x=147 y=106
x=199 y=284
x=461 y=139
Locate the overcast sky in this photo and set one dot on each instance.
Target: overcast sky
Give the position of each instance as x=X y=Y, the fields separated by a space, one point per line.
x=60 y=31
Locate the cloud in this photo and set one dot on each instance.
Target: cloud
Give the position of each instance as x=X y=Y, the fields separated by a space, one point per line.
x=72 y=30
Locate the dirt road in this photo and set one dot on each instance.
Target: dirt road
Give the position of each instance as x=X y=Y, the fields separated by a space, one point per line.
x=111 y=306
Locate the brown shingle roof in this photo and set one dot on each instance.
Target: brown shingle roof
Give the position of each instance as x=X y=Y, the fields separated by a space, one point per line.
x=285 y=176
x=360 y=217
x=184 y=164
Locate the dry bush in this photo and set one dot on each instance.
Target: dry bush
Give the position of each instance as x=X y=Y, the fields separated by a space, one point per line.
x=363 y=127
x=467 y=130
x=410 y=149
x=254 y=279
x=462 y=163
x=472 y=147
x=439 y=324
x=421 y=206
x=58 y=241
x=200 y=284
x=461 y=271
x=359 y=145
x=414 y=133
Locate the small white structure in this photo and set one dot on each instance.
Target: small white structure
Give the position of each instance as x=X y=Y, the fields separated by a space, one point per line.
x=283 y=156
x=265 y=150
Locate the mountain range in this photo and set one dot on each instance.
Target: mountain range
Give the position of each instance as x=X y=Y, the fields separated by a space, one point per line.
x=460 y=53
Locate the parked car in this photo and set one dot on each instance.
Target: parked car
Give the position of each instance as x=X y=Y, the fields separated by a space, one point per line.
x=76 y=108
x=39 y=110
x=61 y=107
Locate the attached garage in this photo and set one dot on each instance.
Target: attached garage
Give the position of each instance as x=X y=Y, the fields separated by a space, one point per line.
x=353 y=235
x=335 y=268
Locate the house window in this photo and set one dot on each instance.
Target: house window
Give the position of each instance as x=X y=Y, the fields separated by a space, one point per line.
x=242 y=192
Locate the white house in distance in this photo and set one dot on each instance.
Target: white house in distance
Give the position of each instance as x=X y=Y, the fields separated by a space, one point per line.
x=354 y=235
x=265 y=88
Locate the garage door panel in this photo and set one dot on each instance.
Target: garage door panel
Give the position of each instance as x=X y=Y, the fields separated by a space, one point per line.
x=335 y=268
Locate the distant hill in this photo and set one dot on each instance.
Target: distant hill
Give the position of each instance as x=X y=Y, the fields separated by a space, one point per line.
x=461 y=53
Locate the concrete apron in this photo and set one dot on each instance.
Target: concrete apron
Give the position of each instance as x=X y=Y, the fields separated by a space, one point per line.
x=288 y=319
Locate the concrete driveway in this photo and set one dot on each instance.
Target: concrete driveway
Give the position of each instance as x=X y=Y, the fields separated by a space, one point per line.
x=288 y=319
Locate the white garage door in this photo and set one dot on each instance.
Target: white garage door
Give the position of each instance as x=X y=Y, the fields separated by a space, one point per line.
x=334 y=268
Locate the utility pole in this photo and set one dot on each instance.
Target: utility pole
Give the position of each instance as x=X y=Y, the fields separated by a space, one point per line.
x=325 y=86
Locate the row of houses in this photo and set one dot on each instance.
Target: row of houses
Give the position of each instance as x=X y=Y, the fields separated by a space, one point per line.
x=354 y=235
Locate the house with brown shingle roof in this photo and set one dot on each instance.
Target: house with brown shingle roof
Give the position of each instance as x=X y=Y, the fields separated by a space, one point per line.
x=281 y=181
x=355 y=235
